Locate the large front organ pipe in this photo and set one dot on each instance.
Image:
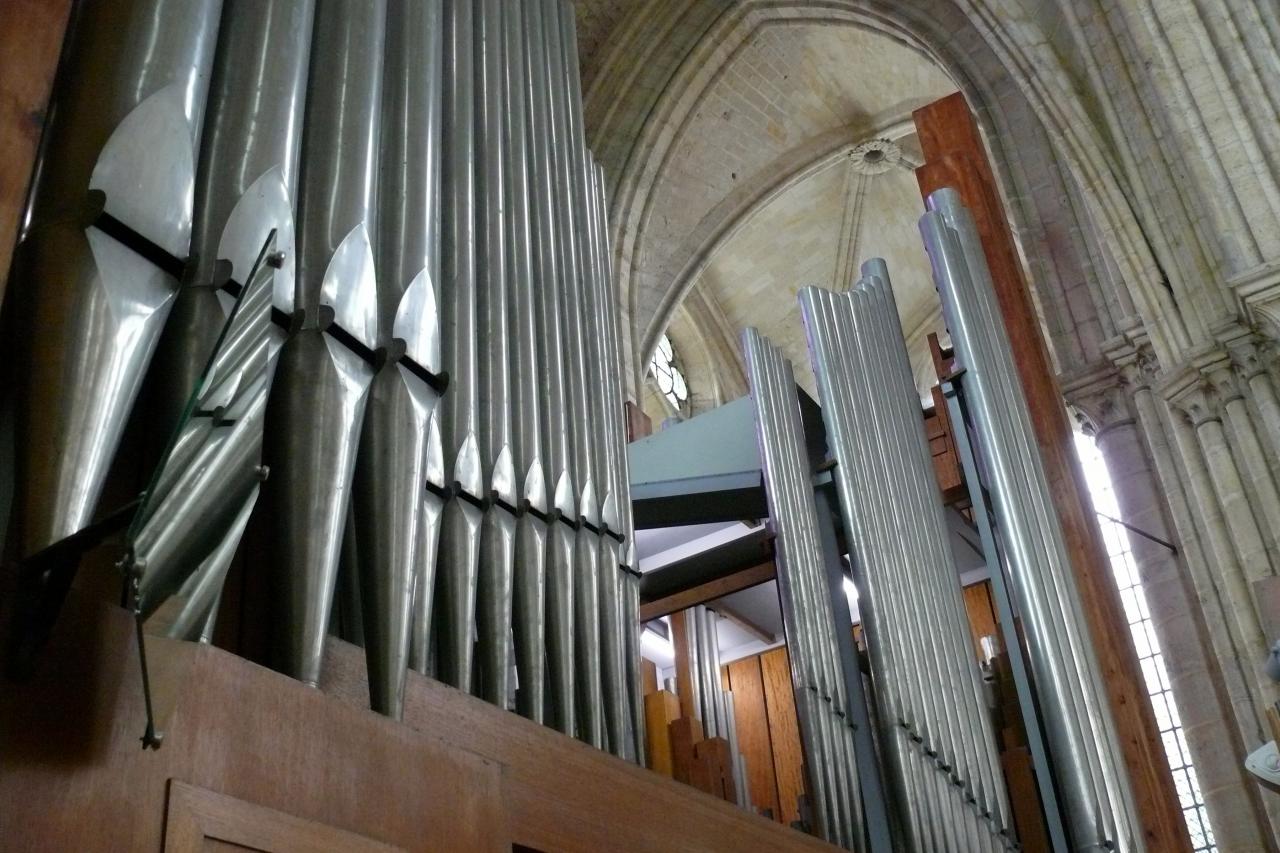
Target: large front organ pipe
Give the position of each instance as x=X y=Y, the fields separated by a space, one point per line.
x=586 y=563
x=1080 y=733
x=126 y=120
x=544 y=136
x=498 y=530
x=458 y=566
x=529 y=603
x=400 y=445
x=246 y=179
x=444 y=426
x=317 y=405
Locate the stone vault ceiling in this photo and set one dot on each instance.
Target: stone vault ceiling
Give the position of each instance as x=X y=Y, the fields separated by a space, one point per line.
x=786 y=102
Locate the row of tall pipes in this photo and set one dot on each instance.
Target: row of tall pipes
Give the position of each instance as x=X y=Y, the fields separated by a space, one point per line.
x=1088 y=765
x=451 y=233
x=936 y=737
x=714 y=703
x=825 y=717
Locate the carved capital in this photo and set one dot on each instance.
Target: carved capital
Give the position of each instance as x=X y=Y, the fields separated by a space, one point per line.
x=1103 y=397
x=1226 y=385
x=1189 y=392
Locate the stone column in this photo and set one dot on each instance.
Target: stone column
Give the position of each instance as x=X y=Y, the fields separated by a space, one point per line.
x=1252 y=461
x=1122 y=410
x=1251 y=364
x=1192 y=394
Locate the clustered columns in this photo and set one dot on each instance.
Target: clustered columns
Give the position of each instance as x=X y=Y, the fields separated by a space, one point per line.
x=1194 y=453
x=1212 y=678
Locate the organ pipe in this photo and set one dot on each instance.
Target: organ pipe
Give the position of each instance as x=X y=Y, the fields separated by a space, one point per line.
x=1080 y=733
x=934 y=724
x=438 y=402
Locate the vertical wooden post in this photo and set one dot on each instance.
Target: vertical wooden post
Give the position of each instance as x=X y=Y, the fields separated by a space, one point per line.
x=955 y=157
x=31 y=33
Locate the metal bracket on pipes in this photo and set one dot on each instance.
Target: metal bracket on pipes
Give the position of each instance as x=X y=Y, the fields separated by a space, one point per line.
x=953 y=392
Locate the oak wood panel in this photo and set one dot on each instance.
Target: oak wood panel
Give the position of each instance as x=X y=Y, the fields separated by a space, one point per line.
x=956 y=157
x=982 y=616
x=754 y=740
x=31 y=33
x=784 y=730
x=1024 y=799
x=648 y=676
x=710 y=591
x=660 y=709
x=199 y=819
x=685 y=734
x=72 y=757
x=683 y=654
x=715 y=769
x=458 y=774
x=561 y=795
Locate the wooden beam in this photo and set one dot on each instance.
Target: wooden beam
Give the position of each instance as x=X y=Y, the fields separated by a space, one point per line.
x=728 y=613
x=955 y=157
x=709 y=591
x=31 y=33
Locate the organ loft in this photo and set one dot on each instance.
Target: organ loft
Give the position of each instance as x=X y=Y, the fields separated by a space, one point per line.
x=565 y=426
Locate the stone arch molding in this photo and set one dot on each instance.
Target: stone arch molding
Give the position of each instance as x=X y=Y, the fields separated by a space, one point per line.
x=988 y=47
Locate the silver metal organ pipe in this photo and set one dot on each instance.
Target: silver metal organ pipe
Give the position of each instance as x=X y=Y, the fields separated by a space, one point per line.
x=529 y=602
x=1081 y=734
x=620 y=484
x=613 y=643
x=246 y=179
x=459 y=555
x=544 y=136
x=788 y=486
x=941 y=739
x=497 y=538
x=586 y=598
x=400 y=448
x=317 y=405
x=125 y=120
x=836 y=409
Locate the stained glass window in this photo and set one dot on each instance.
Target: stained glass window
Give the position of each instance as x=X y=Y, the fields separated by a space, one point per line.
x=665 y=370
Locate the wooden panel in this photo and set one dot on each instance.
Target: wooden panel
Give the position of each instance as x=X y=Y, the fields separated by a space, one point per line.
x=591 y=802
x=69 y=738
x=709 y=591
x=660 y=709
x=752 y=718
x=31 y=33
x=982 y=616
x=457 y=774
x=1024 y=799
x=199 y=820
x=648 y=676
x=788 y=758
x=714 y=772
x=685 y=734
x=684 y=675
x=956 y=157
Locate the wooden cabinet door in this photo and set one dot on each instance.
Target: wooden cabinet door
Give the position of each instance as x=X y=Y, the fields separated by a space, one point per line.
x=203 y=821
